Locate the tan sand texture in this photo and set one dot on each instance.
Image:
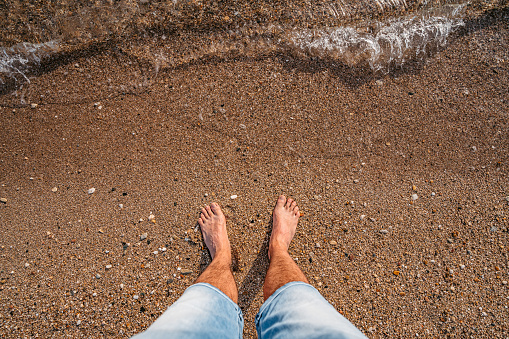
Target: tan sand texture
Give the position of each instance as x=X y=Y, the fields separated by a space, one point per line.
x=402 y=180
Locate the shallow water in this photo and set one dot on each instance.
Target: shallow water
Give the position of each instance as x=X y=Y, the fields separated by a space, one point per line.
x=380 y=33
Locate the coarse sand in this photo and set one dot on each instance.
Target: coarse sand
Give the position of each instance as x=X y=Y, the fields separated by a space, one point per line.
x=402 y=180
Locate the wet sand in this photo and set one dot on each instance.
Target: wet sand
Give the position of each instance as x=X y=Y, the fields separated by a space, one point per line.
x=402 y=180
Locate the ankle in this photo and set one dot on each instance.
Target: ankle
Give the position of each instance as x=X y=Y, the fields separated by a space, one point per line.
x=223 y=256
x=277 y=248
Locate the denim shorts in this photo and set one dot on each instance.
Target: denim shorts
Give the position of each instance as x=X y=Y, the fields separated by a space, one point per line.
x=295 y=310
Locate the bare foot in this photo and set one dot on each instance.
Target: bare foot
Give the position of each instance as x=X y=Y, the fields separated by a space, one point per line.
x=284 y=223
x=213 y=227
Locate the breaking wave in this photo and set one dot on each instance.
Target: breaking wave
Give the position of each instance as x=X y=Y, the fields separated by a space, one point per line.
x=385 y=45
x=167 y=42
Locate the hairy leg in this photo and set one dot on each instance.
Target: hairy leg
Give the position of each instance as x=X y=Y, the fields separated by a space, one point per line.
x=218 y=273
x=282 y=268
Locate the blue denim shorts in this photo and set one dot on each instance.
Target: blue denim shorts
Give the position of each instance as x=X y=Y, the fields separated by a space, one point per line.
x=296 y=310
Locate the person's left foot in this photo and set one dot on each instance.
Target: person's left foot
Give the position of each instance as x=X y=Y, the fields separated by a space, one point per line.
x=213 y=227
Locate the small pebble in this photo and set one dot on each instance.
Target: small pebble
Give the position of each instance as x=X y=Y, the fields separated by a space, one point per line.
x=504 y=282
x=151 y=217
x=121 y=286
x=135 y=297
x=233 y=197
x=396 y=272
x=27 y=264
x=121 y=205
x=415 y=196
x=462 y=267
x=384 y=231
x=317 y=245
x=78 y=323
x=3 y=200
x=54 y=189
x=186 y=271
x=94 y=294
x=108 y=266
x=91 y=190
x=143 y=236
x=363 y=216
x=333 y=242
x=98 y=276
x=33 y=105
x=433 y=194
x=155 y=252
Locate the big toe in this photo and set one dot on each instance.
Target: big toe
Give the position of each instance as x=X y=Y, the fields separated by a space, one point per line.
x=216 y=209
x=281 y=201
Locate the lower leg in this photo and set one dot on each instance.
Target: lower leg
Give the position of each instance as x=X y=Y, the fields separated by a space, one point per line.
x=282 y=268
x=218 y=273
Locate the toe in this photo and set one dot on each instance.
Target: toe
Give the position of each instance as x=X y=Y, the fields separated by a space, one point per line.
x=204 y=213
x=216 y=209
x=289 y=202
x=281 y=201
x=203 y=217
x=293 y=205
x=200 y=221
x=296 y=211
x=209 y=211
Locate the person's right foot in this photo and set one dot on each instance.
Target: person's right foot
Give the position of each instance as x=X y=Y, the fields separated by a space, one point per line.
x=284 y=223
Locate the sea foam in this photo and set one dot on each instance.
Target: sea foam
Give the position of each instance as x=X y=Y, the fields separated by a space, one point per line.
x=16 y=61
x=388 y=44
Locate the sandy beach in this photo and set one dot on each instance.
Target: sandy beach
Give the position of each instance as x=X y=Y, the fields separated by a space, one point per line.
x=402 y=179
